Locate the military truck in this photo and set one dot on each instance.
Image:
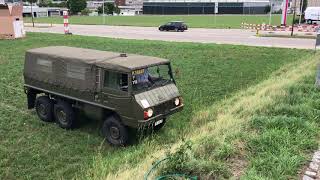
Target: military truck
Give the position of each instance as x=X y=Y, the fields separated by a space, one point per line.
x=124 y=90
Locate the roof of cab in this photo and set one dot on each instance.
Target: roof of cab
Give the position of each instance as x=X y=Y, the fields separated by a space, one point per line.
x=105 y=59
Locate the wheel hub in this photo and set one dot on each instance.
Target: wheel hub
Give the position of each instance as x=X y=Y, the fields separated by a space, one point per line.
x=62 y=116
x=114 y=132
x=42 y=109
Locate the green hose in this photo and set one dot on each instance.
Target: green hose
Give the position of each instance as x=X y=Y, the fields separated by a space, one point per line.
x=169 y=175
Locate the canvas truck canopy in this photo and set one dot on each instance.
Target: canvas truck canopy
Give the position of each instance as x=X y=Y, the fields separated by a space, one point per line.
x=109 y=60
x=76 y=68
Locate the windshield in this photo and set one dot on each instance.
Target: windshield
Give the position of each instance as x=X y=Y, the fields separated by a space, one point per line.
x=150 y=77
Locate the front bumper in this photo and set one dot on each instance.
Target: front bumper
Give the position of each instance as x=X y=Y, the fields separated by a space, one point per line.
x=150 y=122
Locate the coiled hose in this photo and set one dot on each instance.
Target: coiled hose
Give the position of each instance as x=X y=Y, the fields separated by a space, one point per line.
x=154 y=166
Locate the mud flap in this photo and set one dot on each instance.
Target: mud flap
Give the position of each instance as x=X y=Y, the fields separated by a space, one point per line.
x=31 y=98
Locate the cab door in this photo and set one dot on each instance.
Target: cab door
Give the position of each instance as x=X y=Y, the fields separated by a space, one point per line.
x=115 y=92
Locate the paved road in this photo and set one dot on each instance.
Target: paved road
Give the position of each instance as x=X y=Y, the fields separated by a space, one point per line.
x=219 y=36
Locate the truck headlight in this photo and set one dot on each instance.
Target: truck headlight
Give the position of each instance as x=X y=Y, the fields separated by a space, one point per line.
x=148 y=113
x=177 y=102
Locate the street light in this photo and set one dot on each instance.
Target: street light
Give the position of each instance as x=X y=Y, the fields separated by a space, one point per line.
x=294 y=15
x=270 y=12
x=301 y=9
x=32 y=13
x=104 y=18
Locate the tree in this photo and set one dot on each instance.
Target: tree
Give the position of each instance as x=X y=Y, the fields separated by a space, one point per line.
x=117 y=10
x=31 y=4
x=109 y=8
x=85 y=12
x=267 y=9
x=76 y=6
x=44 y=3
x=30 y=1
x=304 y=7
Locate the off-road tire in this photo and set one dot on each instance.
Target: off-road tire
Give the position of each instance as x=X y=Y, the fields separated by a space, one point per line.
x=44 y=108
x=115 y=132
x=157 y=128
x=65 y=115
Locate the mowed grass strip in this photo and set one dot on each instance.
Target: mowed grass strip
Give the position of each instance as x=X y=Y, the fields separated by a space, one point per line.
x=286 y=133
x=194 y=21
x=208 y=73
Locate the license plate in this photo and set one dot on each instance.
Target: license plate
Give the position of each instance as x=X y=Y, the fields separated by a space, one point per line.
x=158 y=122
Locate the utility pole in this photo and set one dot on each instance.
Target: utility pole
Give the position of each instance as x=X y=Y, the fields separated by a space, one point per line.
x=270 y=12
x=32 y=13
x=301 y=9
x=294 y=15
x=104 y=18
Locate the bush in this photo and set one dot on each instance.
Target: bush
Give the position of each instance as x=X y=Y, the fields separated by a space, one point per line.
x=109 y=8
x=85 y=12
x=77 y=6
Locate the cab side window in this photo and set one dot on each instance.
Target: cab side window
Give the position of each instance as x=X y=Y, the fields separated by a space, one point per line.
x=116 y=80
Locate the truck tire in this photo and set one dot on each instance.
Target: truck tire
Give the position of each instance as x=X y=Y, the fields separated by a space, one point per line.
x=309 y=21
x=115 y=132
x=44 y=108
x=64 y=115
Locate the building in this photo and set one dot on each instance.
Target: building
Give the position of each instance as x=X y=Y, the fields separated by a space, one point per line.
x=42 y=11
x=93 y=5
x=131 y=7
x=296 y=3
x=120 y=2
x=205 y=6
x=313 y=3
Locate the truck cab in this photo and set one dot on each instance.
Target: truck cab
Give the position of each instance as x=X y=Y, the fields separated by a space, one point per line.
x=124 y=90
x=312 y=14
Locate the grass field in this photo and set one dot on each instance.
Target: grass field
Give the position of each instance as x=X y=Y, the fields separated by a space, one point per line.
x=206 y=21
x=213 y=81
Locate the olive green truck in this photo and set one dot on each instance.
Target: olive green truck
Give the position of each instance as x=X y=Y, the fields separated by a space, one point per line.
x=124 y=90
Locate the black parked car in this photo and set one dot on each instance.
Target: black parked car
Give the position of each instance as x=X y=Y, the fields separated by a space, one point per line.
x=174 y=26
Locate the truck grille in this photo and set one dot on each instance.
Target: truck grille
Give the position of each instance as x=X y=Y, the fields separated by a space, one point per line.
x=164 y=108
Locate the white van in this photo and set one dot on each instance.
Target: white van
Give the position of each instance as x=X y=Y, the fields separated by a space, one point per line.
x=312 y=14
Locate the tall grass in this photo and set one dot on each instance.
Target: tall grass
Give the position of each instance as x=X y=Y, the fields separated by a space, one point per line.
x=243 y=130
x=209 y=73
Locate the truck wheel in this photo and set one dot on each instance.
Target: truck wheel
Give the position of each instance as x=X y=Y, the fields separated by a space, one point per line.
x=309 y=21
x=64 y=115
x=44 y=108
x=115 y=132
x=159 y=126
